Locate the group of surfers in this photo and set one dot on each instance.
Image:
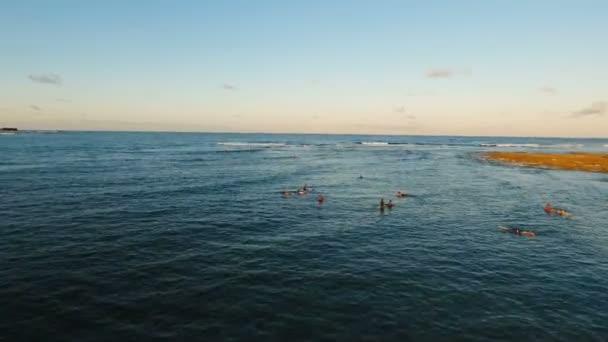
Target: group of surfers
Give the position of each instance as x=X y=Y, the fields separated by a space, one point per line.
x=390 y=203
x=517 y=231
x=320 y=198
x=548 y=209
x=303 y=191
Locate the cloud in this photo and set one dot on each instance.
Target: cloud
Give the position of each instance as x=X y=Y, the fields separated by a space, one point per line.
x=440 y=73
x=46 y=78
x=548 y=90
x=35 y=107
x=227 y=86
x=402 y=110
x=597 y=108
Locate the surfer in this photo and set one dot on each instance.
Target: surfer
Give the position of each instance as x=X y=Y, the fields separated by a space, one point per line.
x=389 y=204
x=382 y=205
x=286 y=193
x=401 y=194
x=320 y=199
x=517 y=231
x=303 y=190
x=551 y=210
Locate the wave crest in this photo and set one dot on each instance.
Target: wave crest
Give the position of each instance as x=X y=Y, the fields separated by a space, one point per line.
x=251 y=144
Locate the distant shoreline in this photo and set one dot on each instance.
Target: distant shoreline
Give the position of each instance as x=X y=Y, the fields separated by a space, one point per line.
x=574 y=161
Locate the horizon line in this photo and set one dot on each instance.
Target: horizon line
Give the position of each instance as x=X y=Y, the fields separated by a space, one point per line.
x=327 y=133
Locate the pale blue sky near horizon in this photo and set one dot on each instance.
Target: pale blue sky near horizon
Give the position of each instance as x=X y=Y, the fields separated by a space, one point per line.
x=400 y=67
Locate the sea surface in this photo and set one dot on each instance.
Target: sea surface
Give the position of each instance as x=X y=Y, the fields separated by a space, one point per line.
x=119 y=236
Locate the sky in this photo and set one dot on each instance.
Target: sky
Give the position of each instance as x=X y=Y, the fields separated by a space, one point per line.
x=510 y=68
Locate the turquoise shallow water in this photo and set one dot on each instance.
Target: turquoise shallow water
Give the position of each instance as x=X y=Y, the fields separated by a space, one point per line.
x=156 y=236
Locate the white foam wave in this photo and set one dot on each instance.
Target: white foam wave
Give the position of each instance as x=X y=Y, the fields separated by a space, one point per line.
x=374 y=143
x=534 y=145
x=251 y=144
x=568 y=145
x=512 y=145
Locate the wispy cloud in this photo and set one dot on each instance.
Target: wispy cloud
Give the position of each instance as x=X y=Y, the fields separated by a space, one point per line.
x=46 y=78
x=596 y=109
x=227 y=86
x=35 y=107
x=548 y=90
x=403 y=111
x=448 y=73
x=440 y=73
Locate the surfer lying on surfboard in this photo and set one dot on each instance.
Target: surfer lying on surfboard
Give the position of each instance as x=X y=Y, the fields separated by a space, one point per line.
x=517 y=231
x=303 y=190
x=551 y=210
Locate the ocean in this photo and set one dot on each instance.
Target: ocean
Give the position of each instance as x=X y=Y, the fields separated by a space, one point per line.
x=185 y=236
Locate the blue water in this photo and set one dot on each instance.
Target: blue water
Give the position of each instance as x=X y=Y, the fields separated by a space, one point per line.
x=179 y=236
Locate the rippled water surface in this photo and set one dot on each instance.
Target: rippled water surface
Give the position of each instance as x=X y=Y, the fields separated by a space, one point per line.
x=156 y=236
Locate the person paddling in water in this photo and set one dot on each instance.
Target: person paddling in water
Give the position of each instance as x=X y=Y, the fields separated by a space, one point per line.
x=517 y=231
x=382 y=205
x=320 y=199
x=551 y=210
x=389 y=204
x=401 y=194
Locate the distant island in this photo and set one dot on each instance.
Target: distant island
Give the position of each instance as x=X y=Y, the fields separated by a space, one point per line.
x=578 y=161
x=8 y=129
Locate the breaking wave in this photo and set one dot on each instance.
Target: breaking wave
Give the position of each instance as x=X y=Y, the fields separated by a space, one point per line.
x=251 y=144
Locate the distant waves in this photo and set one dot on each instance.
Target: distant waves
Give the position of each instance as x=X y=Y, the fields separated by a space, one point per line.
x=534 y=145
x=390 y=143
x=252 y=144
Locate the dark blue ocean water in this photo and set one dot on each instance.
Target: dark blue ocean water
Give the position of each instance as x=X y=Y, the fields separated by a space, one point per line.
x=179 y=236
